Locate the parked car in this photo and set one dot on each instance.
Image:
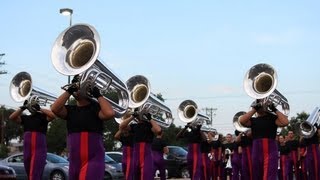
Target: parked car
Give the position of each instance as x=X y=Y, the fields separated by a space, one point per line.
x=115 y=155
x=56 y=167
x=7 y=172
x=113 y=169
x=176 y=162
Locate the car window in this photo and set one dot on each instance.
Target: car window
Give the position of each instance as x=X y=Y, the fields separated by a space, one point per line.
x=108 y=159
x=177 y=151
x=56 y=159
x=116 y=157
x=16 y=159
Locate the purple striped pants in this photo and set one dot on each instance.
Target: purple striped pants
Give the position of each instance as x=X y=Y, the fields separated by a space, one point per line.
x=159 y=164
x=194 y=160
x=86 y=156
x=127 y=160
x=142 y=161
x=236 y=165
x=313 y=159
x=34 y=154
x=246 y=163
x=264 y=159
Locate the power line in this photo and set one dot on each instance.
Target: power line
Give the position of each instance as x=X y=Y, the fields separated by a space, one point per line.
x=238 y=96
x=2 y=63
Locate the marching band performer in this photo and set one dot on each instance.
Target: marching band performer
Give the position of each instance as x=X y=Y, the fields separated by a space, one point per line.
x=159 y=148
x=284 y=153
x=205 y=150
x=303 y=162
x=293 y=157
x=194 y=155
x=246 y=161
x=143 y=134
x=264 y=145
x=216 y=151
x=85 y=129
x=34 y=138
x=236 y=157
x=313 y=155
x=126 y=138
x=230 y=144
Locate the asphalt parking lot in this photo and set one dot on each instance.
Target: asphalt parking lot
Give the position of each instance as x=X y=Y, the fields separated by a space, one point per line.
x=175 y=178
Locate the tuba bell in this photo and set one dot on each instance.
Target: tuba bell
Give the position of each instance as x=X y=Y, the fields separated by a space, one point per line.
x=76 y=51
x=237 y=124
x=188 y=112
x=140 y=97
x=309 y=127
x=21 y=89
x=260 y=82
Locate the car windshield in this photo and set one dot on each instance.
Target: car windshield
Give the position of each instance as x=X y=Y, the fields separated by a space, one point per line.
x=56 y=159
x=178 y=151
x=108 y=159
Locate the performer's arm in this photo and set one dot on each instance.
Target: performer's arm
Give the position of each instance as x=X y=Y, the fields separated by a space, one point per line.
x=155 y=127
x=124 y=124
x=117 y=135
x=219 y=153
x=106 y=111
x=245 y=119
x=181 y=133
x=50 y=115
x=16 y=115
x=282 y=119
x=58 y=107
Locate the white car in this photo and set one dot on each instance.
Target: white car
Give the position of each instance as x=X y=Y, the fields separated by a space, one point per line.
x=115 y=155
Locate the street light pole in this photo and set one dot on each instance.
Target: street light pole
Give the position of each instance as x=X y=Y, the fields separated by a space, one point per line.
x=67 y=12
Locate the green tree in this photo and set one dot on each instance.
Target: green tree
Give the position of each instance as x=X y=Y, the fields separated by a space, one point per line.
x=169 y=135
x=294 y=124
x=57 y=133
x=56 y=136
x=3 y=151
x=11 y=129
x=110 y=128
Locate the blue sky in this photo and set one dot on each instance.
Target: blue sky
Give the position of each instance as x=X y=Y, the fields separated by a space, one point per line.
x=197 y=50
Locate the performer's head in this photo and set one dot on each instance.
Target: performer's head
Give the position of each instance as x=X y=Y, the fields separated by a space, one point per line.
x=229 y=138
x=290 y=135
x=281 y=139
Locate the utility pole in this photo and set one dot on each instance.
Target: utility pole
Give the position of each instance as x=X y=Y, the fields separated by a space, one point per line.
x=2 y=108
x=2 y=63
x=211 y=112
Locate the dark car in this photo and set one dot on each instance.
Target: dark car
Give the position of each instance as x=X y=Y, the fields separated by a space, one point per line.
x=113 y=169
x=56 y=167
x=7 y=172
x=176 y=162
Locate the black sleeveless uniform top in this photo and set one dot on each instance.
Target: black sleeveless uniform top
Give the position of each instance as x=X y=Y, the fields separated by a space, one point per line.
x=142 y=132
x=126 y=140
x=84 y=118
x=232 y=146
x=205 y=147
x=158 y=144
x=313 y=140
x=245 y=141
x=35 y=122
x=215 y=144
x=264 y=126
x=293 y=145
x=303 y=143
x=194 y=136
x=283 y=149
